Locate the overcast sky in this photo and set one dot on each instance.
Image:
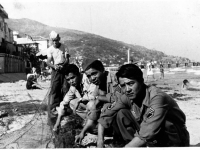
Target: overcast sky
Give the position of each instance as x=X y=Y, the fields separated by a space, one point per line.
x=170 y=26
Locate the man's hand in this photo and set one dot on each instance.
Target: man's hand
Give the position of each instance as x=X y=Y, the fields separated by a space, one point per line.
x=76 y=106
x=58 y=67
x=78 y=138
x=60 y=111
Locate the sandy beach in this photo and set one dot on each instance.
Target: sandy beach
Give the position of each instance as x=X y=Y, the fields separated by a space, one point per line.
x=21 y=109
x=19 y=106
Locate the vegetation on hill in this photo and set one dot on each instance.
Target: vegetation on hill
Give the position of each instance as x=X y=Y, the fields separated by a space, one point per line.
x=91 y=45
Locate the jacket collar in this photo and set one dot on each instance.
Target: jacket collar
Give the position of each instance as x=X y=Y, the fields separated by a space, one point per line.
x=146 y=100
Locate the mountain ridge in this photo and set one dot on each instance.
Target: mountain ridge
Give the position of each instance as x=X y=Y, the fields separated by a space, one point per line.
x=91 y=45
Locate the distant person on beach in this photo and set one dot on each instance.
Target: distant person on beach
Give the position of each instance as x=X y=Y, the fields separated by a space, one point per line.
x=78 y=62
x=190 y=84
x=33 y=72
x=177 y=64
x=144 y=116
x=43 y=71
x=152 y=64
x=142 y=66
x=161 y=71
x=169 y=64
x=32 y=83
x=150 y=71
x=186 y=64
x=57 y=59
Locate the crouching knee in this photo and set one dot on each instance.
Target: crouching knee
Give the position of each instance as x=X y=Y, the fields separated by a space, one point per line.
x=91 y=105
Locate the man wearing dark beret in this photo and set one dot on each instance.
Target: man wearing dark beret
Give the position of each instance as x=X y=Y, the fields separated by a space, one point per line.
x=144 y=115
x=108 y=85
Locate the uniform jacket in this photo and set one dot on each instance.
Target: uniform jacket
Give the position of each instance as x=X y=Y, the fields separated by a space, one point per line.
x=159 y=115
x=111 y=87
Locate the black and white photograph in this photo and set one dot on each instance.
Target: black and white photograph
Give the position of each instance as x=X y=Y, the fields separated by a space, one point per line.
x=99 y=74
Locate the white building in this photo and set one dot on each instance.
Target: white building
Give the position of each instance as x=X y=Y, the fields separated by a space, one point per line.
x=10 y=60
x=43 y=43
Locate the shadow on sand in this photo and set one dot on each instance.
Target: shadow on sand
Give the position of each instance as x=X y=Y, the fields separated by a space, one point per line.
x=180 y=97
x=177 y=95
x=193 y=89
x=165 y=88
x=12 y=77
x=23 y=108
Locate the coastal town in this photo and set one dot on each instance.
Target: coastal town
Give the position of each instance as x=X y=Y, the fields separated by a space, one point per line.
x=29 y=74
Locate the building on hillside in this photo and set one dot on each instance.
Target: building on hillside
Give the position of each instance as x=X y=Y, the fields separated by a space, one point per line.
x=3 y=16
x=10 y=60
x=6 y=34
x=43 y=43
x=30 y=46
x=39 y=43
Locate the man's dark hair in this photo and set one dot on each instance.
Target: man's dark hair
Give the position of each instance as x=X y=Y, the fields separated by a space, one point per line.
x=130 y=71
x=96 y=65
x=72 y=68
x=185 y=81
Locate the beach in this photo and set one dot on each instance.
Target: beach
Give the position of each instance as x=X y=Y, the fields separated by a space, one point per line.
x=19 y=105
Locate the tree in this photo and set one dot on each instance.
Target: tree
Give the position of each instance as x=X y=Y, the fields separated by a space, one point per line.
x=30 y=51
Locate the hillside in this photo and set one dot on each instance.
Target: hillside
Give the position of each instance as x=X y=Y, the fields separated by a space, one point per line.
x=90 y=45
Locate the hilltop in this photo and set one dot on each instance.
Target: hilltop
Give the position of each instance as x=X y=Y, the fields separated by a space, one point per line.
x=91 y=45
